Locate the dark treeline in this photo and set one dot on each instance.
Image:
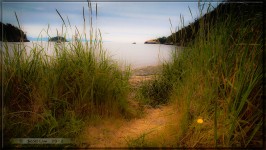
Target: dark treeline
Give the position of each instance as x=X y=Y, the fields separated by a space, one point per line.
x=238 y=11
x=10 y=33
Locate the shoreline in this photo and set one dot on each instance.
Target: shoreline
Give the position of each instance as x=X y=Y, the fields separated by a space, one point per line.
x=144 y=74
x=147 y=70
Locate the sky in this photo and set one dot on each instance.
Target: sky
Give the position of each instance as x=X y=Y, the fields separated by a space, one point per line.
x=117 y=21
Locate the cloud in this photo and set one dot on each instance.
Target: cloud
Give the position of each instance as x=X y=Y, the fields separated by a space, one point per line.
x=122 y=21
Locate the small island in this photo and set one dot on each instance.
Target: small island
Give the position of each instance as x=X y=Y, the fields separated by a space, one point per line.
x=57 y=39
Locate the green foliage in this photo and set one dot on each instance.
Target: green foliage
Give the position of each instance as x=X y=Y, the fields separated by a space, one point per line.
x=218 y=77
x=53 y=96
x=162 y=40
x=76 y=81
x=140 y=141
x=155 y=92
x=187 y=34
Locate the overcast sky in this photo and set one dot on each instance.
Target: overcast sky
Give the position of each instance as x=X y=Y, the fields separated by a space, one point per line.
x=118 y=21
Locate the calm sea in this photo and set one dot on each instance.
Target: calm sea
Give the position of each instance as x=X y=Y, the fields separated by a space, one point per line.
x=135 y=55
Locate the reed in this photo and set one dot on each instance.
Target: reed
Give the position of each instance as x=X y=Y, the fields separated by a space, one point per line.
x=54 y=96
x=217 y=78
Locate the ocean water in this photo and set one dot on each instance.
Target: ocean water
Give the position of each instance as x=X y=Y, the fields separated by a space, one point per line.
x=136 y=55
x=139 y=55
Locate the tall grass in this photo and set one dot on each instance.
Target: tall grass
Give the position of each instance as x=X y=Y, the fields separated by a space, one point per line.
x=217 y=78
x=54 y=96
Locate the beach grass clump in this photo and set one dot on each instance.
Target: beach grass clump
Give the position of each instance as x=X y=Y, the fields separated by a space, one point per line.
x=55 y=95
x=51 y=96
x=216 y=82
x=158 y=91
x=154 y=92
x=222 y=84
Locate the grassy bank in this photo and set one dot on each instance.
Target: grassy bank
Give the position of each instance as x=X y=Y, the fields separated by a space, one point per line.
x=216 y=84
x=54 y=96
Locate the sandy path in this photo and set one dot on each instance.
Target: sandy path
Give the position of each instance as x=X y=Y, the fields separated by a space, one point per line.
x=154 y=121
x=117 y=133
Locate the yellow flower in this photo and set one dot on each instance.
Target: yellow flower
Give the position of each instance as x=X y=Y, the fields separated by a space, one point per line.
x=200 y=121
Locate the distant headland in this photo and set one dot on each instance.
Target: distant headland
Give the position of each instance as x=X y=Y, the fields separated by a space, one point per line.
x=11 y=33
x=188 y=33
x=152 y=42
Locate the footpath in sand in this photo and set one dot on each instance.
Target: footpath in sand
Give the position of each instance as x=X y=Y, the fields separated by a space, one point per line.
x=118 y=133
